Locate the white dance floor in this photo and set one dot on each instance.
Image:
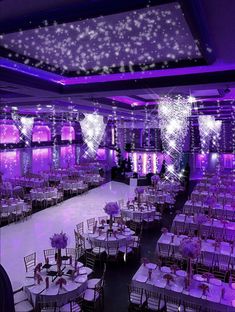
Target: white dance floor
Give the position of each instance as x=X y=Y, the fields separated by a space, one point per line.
x=22 y=238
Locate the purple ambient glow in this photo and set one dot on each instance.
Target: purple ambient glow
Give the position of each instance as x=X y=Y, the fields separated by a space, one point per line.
x=41 y=134
x=9 y=134
x=67 y=156
x=129 y=100
x=41 y=159
x=67 y=133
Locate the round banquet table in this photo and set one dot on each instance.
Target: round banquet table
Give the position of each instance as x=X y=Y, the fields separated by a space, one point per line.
x=138 y=214
x=102 y=239
x=54 y=293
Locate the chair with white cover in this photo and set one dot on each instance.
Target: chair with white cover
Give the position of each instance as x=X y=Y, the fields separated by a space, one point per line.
x=163 y=250
x=136 y=298
x=19 y=296
x=30 y=262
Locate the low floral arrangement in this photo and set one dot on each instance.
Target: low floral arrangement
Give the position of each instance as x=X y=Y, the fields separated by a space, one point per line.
x=190 y=248
x=139 y=190
x=204 y=288
x=39 y=278
x=168 y=277
x=164 y=230
x=112 y=208
x=61 y=281
x=59 y=241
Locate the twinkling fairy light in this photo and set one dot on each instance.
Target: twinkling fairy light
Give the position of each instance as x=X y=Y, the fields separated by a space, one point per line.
x=206 y=126
x=92 y=131
x=146 y=36
x=173 y=113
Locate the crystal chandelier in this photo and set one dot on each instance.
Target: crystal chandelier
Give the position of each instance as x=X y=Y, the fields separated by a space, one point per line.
x=25 y=126
x=209 y=128
x=92 y=131
x=173 y=113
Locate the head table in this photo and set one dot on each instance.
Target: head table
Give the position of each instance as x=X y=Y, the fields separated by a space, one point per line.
x=54 y=293
x=213 y=299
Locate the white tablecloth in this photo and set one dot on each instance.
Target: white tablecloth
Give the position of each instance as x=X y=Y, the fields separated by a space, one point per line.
x=176 y=289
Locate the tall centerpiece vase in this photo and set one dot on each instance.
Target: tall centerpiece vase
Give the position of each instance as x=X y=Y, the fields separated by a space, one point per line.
x=59 y=241
x=190 y=249
x=111 y=222
x=111 y=209
x=59 y=262
x=189 y=272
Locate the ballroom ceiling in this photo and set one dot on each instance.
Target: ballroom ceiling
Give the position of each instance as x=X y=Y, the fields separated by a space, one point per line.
x=121 y=55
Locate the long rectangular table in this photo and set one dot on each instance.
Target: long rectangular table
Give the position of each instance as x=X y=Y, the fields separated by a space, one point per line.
x=220 y=229
x=176 y=289
x=222 y=254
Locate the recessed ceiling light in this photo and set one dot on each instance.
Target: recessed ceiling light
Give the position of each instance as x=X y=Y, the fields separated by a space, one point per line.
x=48 y=106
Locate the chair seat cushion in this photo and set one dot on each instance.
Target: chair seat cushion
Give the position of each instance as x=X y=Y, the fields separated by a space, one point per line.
x=20 y=296
x=24 y=306
x=88 y=270
x=90 y=295
x=98 y=250
x=92 y=283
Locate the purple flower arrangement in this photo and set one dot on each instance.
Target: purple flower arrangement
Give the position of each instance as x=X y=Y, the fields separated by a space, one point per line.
x=59 y=241
x=139 y=190
x=190 y=248
x=112 y=208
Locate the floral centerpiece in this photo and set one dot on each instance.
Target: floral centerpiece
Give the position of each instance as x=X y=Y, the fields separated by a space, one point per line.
x=111 y=209
x=168 y=277
x=204 y=288
x=190 y=249
x=59 y=241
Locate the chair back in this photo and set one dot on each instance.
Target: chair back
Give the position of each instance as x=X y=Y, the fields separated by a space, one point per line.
x=30 y=261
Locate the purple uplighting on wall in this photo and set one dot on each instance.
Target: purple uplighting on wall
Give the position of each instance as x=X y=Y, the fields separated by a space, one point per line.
x=41 y=159
x=41 y=134
x=9 y=134
x=67 y=133
x=67 y=156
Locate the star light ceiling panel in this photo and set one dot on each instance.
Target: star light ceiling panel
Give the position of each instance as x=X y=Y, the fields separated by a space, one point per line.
x=114 y=43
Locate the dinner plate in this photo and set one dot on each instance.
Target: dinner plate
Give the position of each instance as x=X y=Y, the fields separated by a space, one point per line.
x=195 y=292
x=82 y=271
x=199 y=278
x=141 y=278
x=181 y=273
x=161 y=283
x=165 y=269
x=151 y=266
x=177 y=288
x=81 y=279
x=215 y=281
